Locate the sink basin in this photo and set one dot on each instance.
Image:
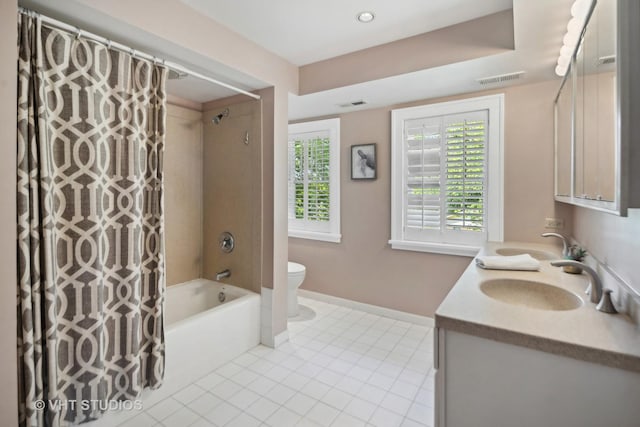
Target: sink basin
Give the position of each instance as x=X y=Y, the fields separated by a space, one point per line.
x=539 y=255
x=531 y=294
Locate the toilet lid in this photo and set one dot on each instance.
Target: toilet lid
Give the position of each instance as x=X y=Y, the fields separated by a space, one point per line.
x=294 y=267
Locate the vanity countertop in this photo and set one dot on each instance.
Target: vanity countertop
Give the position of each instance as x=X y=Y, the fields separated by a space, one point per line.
x=583 y=333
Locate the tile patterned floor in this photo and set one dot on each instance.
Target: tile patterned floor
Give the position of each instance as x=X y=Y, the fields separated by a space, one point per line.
x=343 y=368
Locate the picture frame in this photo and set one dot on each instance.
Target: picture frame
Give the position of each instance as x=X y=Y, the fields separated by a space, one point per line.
x=364 y=162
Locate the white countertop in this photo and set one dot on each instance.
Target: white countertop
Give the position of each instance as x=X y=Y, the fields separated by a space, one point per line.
x=583 y=333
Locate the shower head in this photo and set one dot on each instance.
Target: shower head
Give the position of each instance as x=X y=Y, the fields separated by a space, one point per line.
x=217 y=119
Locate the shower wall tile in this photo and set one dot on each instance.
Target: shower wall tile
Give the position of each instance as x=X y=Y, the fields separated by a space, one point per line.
x=183 y=194
x=232 y=188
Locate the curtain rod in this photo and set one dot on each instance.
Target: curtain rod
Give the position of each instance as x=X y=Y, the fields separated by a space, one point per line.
x=111 y=44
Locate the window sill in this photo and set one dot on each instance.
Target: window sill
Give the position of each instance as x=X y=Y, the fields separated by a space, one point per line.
x=315 y=235
x=436 y=248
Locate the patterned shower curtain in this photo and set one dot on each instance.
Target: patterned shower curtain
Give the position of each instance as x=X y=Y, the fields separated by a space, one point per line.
x=90 y=287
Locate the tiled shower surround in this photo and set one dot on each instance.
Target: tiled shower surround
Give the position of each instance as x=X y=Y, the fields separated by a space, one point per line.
x=344 y=367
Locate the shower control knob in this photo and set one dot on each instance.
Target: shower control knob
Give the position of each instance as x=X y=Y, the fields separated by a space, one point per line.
x=226 y=242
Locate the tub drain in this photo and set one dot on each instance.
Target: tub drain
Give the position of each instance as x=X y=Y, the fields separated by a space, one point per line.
x=222 y=297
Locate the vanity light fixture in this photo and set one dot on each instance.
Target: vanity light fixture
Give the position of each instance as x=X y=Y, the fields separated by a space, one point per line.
x=365 y=17
x=579 y=13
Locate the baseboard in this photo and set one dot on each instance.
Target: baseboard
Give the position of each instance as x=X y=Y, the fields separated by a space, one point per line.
x=373 y=309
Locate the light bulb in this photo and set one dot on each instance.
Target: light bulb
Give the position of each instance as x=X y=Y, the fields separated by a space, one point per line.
x=574 y=25
x=564 y=61
x=566 y=50
x=561 y=71
x=580 y=9
x=570 y=39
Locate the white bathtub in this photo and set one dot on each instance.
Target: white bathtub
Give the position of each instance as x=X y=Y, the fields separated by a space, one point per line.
x=202 y=333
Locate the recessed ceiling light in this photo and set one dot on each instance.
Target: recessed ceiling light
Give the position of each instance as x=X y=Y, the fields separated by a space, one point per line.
x=366 y=17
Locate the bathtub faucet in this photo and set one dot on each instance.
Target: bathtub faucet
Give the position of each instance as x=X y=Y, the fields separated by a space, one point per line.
x=223 y=274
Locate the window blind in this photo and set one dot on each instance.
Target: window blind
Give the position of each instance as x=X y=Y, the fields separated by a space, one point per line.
x=445 y=174
x=309 y=179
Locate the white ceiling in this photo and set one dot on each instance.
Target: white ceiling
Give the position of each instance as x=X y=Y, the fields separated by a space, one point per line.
x=303 y=31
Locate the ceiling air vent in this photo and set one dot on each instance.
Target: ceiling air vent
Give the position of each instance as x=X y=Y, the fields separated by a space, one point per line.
x=500 y=78
x=352 y=104
x=604 y=60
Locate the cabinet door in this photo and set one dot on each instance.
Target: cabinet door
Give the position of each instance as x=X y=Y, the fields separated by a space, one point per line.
x=595 y=131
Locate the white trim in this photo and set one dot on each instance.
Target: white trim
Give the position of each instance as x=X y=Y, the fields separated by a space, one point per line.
x=315 y=235
x=368 y=308
x=436 y=248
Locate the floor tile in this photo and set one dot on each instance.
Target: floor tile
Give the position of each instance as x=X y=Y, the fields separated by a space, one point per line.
x=222 y=414
x=164 y=408
x=262 y=408
x=283 y=417
x=396 y=404
x=337 y=398
x=243 y=399
x=301 y=404
x=280 y=394
x=346 y=420
x=188 y=394
x=225 y=389
x=420 y=413
x=182 y=417
x=315 y=389
x=141 y=420
x=244 y=420
x=342 y=368
x=204 y=404
x=322 y=414
x=360 y=408
x=384 y=418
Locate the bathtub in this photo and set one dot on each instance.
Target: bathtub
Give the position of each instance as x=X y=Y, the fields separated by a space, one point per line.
x=207 y=324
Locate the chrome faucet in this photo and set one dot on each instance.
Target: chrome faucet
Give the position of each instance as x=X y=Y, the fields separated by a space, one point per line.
x=223 y=274
x=598 y=296
x=565 y=244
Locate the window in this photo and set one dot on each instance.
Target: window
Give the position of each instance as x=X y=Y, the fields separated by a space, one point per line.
x=447 y=186
x=314 y=180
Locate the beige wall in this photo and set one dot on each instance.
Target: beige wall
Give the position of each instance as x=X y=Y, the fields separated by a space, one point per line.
x=183 y=195
x=8 y=376
x=364 y=268
x=232 y=185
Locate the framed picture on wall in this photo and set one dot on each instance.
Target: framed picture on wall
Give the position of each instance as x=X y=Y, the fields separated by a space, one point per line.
x=363 y=161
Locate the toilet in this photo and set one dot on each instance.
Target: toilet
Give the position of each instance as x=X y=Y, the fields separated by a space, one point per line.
x=296 y=274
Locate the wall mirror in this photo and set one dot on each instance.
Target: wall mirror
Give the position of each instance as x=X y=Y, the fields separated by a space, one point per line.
x=593 y=151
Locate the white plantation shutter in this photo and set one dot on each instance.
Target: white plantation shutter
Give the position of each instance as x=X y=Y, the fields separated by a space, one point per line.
x=441 y=175
x=313 y=195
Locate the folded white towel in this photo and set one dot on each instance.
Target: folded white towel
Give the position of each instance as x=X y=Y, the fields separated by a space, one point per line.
x=516 y=262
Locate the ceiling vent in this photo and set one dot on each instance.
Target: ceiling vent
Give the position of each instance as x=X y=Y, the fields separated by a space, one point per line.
x=604 y=60
x=501 y=78
x=353 y=104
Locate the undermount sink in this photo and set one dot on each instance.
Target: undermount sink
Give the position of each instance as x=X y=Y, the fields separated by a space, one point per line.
x=531 y=294
x=539 y=255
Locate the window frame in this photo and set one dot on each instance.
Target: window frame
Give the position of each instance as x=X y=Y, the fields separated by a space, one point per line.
x=494 y=104
x=308 y=229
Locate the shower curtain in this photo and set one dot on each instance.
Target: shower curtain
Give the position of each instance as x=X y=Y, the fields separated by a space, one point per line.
x=90 y=286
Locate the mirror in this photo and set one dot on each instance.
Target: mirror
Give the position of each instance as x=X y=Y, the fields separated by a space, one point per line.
x=563 y=122
x=595 y=107
x=594 y=124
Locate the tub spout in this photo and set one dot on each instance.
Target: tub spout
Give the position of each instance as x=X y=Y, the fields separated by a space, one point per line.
x=223 y=274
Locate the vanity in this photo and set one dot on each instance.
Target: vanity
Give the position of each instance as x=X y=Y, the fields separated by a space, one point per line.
x=527 y=348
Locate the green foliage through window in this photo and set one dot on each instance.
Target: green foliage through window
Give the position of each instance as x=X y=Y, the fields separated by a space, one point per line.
x=311 y=173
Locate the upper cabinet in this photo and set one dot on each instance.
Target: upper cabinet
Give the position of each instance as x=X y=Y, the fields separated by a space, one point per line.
x=596 y=138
